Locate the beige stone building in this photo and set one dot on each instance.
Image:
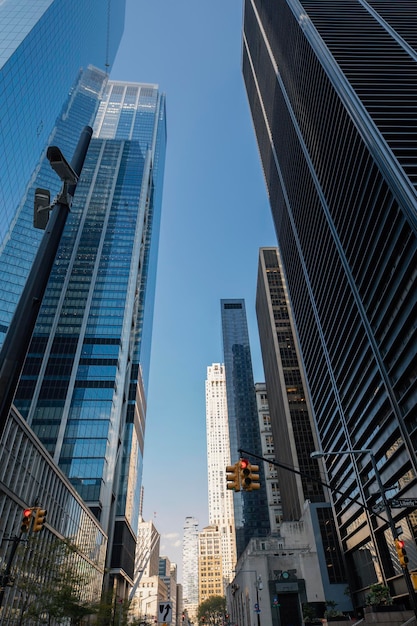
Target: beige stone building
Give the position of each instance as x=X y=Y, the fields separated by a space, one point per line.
x=210 y=578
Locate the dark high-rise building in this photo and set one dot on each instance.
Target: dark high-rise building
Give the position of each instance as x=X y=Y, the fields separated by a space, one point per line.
x=289 y=407
x=292 y=424
x=251 y=509
x=332 y=88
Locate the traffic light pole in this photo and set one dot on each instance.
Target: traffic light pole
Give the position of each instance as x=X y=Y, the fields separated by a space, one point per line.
x=406 y=571
x=5 y=578
x=17 y=340
x=391 y=523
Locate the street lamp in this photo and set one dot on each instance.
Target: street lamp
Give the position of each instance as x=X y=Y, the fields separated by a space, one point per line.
x=318 y=454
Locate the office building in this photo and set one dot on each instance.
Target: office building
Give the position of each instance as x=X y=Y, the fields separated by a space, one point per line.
x=29 y=477
x=210 y=574
x=220 y=500
x=273 y=493
x=250 y=508
x=83 y=388
x=148 y=589
x=190 y=564
x=168 y=574
x=301 y=492
x=45 y=47
x=333 y=91
x=147 y=550
x=290 y=412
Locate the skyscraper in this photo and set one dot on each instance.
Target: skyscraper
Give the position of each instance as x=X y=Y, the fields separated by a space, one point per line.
x=268 y=452
x=45 y=46
x=291 y=416
x=292 y=425
x=332 y=88
x=250 y=508
x=83 y=389
x=220 y=500
x=190 y=564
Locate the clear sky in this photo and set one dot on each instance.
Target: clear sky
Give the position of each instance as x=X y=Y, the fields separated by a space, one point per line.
x=215 y=216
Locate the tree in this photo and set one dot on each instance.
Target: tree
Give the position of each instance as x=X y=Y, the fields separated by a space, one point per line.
x=52 y=584
x=212 y=610
x=378 y=595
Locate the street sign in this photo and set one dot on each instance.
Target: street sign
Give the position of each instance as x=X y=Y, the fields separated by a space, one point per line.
x=165 y=613
x=398 y=503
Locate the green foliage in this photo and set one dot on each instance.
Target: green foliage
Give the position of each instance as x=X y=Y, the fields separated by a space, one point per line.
x=211 y=610
x=331 y=609
x=378 y=595
x=310 y=614
x=51 y=585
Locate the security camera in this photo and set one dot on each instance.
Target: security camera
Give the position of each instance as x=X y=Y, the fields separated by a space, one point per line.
x=61 y=166
x=41 y=208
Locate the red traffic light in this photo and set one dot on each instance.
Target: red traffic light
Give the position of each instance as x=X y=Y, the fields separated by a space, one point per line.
x=244 y=463
x=400 y=543
x=26 y=520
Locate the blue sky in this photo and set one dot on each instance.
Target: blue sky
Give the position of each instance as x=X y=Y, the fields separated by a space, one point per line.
x=215 y=217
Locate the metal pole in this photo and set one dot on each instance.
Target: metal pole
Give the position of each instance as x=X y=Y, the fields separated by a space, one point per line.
x=6 y=576
x=393 y=528
x=17 y=340
x=257 y=603
x=407 y=577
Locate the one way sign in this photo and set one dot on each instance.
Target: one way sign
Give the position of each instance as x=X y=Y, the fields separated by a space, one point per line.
x=165 y=613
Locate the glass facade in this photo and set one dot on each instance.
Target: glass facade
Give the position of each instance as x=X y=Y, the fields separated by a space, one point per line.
x=251 y=508
x=43 y=47
x=83 y=387
x=333 y=93
x=28 y=473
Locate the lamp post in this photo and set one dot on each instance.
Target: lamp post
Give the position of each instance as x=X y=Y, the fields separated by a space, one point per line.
x=17 y=340
x=317 y=454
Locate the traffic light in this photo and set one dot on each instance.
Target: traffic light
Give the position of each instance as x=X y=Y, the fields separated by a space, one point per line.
x=244 y=473
x=249 y=477
x=254 y=478
x=26 y=520
x=40 y=517
x=232 y=477
x=402 y=552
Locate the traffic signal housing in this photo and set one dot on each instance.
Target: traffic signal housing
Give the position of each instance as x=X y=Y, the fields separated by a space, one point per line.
x=249 y=475
x=232 y=477
x=402 y=552
x=254 y=478
x=39 y=521
x=244 y=472
x=26 y=521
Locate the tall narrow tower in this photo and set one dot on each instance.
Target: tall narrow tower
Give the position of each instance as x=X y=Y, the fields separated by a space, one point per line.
x=83 y=389
x=190 y=565
x=220 y=500
x=291 y=417
x=332 y=88
x=251 y=509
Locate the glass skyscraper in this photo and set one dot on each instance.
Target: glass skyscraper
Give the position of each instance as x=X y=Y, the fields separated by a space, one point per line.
x=250 y=508
x=83 y=388
x=45 y=45
x=332 y=88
